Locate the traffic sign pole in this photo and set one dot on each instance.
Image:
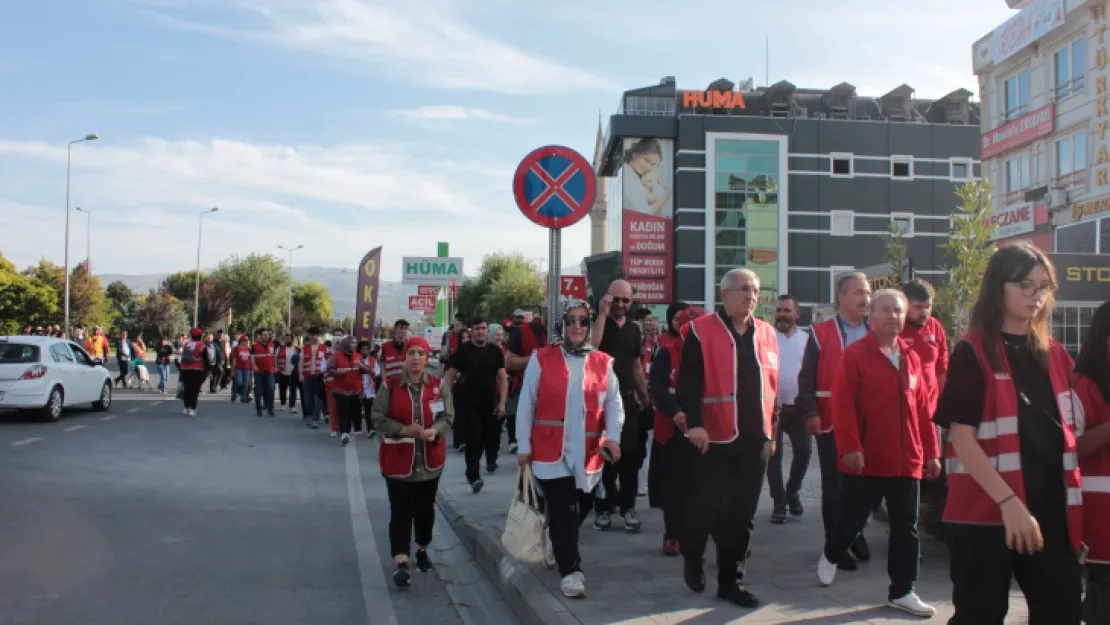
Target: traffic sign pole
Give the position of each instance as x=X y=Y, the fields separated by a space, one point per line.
x=553 y=280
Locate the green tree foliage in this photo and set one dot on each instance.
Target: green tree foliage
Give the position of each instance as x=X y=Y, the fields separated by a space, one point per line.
x=507 y=282
x=257 y=285
x=312 y=305
x=895 y=249
x=215 y=300
x=159 y=315
x=87 y=304
x=122 y=304
x=969 y=248
x=24 y=300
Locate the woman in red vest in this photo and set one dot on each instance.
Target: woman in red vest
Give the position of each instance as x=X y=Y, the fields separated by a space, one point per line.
x=346 y=367
x=194 y=367
x=1014 y=502
x=1091 y=382
x=569 y=411
x=241 y=360
x=412 y=417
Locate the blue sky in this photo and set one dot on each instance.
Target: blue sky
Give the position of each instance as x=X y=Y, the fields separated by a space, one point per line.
x=346 y=124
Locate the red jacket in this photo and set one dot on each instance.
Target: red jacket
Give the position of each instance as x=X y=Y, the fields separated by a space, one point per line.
x=882 y=411
x=241 y=357
x=930 y=343
x=1091 y=411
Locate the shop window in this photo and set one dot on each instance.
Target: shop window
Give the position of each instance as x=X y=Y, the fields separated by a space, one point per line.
x=1077 y=238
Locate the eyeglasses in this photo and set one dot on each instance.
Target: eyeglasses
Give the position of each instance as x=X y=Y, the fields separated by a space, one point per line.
x=1030 y=288
x=622 y=300
x=577 y=320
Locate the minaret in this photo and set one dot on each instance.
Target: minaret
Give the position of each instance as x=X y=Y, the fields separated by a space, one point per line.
x=599 y=227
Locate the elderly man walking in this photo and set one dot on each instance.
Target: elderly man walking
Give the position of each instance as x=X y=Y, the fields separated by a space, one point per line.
x=728 y=385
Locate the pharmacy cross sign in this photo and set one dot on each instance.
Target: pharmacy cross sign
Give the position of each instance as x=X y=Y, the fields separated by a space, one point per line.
x=554 y=186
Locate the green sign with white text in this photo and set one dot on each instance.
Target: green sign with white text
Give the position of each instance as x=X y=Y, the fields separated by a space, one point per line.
x=432 y=270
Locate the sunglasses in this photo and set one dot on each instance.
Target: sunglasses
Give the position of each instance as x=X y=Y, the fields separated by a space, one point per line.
x=578 y=320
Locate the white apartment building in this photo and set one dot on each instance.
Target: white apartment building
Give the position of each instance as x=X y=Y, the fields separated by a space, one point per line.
x=1045 y=99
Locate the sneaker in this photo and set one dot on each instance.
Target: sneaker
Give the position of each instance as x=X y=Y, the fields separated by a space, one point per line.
x=476 y=486
x=462 y=448
x=642 y=492
x=512 y=448
x=795 y=502
x=736 y=593
x=491 y=467
x=345 y=439
x=270 y=412
x=671 y=547
x=574 y=585
x=314 y=425
x=185 y=412
x=334 y=434
x=778 y=515
x=423 y=563
x=913 y=604
x=258 y=414
x=401 y=575
x=192 y=412
x=281 y=408
x=631 y=521
x=602 y=521
x=826 y=571
x=371 y=434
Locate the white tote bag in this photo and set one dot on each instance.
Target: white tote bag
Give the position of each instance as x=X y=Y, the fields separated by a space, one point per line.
x=523 y=537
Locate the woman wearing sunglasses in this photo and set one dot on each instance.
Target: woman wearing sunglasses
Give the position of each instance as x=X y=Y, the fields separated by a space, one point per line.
x=569 y=411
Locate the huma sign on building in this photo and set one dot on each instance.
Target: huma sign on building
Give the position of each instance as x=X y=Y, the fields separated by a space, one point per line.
x=1017 y=133
x=431 y=270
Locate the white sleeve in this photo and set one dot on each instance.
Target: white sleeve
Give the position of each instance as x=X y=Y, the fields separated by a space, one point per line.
x=614 y=408
x=526 y=405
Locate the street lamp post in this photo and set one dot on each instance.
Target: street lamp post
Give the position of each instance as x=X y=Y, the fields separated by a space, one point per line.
x=196 y=292
x=69 y=160
x=289 y=310
x=88 y=238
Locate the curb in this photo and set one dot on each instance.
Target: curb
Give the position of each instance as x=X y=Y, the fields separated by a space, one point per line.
x=526 y=594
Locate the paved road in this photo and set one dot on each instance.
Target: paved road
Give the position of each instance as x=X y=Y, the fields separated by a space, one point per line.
x=143 y=516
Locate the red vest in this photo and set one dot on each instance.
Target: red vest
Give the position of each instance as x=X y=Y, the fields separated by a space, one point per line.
x=931 y=346
x=528 y=341
x=264 y=357
x=350 y=383
x=664 y=427
x=1092 y=410
x=831 y=343
x=551 y=406
x=719 y=415
x=396 y=455
x=312 y=358
x=645 y=358
x=998 y=436
x=393 y=360
x=197 y=347
x=241 y=356
x=282 y=358
x=452 y=343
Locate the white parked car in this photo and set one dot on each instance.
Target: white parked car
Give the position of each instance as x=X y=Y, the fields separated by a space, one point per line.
x=48 y=374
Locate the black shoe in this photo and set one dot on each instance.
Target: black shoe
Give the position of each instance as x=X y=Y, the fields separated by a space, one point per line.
x=694 y=575
x=778 y=516
x=846 y=563
x=476 y=486
x=401 y=575
x=738 y=594
x=491 y=467
x=795 y=502
x=259 y=415
x=271 y=413
x=861 y=550
x=423 y=563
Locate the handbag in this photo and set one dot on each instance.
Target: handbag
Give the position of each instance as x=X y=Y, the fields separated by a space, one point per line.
x=524 y=527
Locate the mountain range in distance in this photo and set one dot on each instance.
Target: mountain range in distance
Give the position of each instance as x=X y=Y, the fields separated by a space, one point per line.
x=393 y=299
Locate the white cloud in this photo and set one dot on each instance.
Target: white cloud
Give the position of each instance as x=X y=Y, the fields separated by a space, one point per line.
x=428 y=42
x=451 y=113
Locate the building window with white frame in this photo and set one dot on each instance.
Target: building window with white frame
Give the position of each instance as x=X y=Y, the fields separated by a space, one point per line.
x=1070 y=69
x=1016 y=94
x=1017 y=173
x=960 y=169
x=1071 y=161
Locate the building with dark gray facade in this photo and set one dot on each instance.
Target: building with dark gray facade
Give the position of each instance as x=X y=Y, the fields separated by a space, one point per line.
x=797 y=185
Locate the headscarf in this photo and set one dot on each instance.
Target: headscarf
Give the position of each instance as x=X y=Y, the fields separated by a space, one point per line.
x=417 y=341
x=196 y=333
x=585 y=347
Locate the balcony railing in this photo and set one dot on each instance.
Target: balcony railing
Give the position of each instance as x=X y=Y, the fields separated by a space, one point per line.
x=1074 y=180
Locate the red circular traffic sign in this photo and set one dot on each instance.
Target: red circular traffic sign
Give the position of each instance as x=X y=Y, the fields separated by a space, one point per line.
x=554 y=186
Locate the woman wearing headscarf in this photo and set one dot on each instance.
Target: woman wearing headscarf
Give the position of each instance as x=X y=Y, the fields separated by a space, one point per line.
x=412 y=415
x=346 y=368
x=569 y=420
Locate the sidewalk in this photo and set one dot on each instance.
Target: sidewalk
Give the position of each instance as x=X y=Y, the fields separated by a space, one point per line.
x=630 y=583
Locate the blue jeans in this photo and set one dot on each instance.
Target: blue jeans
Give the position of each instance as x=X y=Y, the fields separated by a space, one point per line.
x=242 y=384
x=264 y=392
x=163 y=375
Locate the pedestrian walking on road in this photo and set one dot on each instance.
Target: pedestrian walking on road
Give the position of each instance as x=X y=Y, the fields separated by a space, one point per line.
x=569 y=418
x=413 y=417
x=480 y=365
x=165 y=356
x=241 y=357
x=264 y=365
x=346 y=368
x=792 y=346
x=314 y=358
x=287 y=374
x=371 y=378
x=194 y=366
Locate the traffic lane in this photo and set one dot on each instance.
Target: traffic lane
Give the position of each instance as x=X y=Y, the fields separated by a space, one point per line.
x=16 y=426
x=157 y=517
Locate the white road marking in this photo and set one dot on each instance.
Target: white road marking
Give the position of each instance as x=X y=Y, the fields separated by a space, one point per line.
x=75 y=428
x=375 y=590
x=155 y=403
x=27 y=441
x=109 y=417
x=133 y=410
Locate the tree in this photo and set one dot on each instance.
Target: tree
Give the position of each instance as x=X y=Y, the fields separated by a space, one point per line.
x=314 y=303
x=969 y=247
x=256 y=286
x=896 y=250
x=162 y=313
x=87 y=305
x=215 y=301
x=507 y=282
x=122 y=304
x=24 y=300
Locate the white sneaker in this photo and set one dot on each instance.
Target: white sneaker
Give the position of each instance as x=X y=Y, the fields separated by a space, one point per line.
x=192 y=412
x=335 y=435
x=913 y=604
x=574 y=585
x=185 y=412
x=281 y=408
x=346 y=438
x=826 y=571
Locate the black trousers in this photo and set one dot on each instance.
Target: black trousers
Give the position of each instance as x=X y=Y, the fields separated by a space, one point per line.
x=724 y=486
x=367 y=406
x=622 y=497
x=213 y=379
x=793 y=425
x=982 y=565
x=349 y=408
x=1096 y=605
x=510 y=416
x=411 y=506
x=287 y=390
x=461 y=428
x=862 y=494
x=192 y=379
x=483 y=437
x=674 y=459
x=124 y=370
x=566 y=507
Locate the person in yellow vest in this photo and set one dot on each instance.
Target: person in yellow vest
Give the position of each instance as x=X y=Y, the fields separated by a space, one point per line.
x=97 y=345
x=1014 y=506
x=569 y=421
x=728 y=387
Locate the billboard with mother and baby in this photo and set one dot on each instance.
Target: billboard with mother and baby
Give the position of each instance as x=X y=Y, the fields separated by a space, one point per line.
x=647 y=202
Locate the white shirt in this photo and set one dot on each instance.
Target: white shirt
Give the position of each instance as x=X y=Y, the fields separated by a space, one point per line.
x=574 y=428
x=367 y=384
x=791 y=351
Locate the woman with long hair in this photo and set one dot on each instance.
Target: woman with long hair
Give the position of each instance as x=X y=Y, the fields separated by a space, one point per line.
x=1014 y=506
x=1091 y=382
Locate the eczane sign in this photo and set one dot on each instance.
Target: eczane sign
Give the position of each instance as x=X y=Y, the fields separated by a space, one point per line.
x=1011 y=221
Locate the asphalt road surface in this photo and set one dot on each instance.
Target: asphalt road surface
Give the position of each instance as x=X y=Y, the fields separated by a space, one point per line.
x=143 y=516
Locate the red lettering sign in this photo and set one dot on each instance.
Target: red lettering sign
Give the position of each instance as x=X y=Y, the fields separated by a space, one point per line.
x=571 y=287
x=1017 y=133
x=426 y=289
x=422 y=303
x=712 y=99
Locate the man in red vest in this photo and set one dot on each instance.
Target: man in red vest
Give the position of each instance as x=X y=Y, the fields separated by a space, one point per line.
x=264 y=365
x=926 y=337
x=887 y=444
x=827 y=341
x=728 y=387
x=393 y=352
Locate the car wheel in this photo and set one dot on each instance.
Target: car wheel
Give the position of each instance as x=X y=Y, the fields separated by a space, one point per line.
x=105 y=401
x=52 y=411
